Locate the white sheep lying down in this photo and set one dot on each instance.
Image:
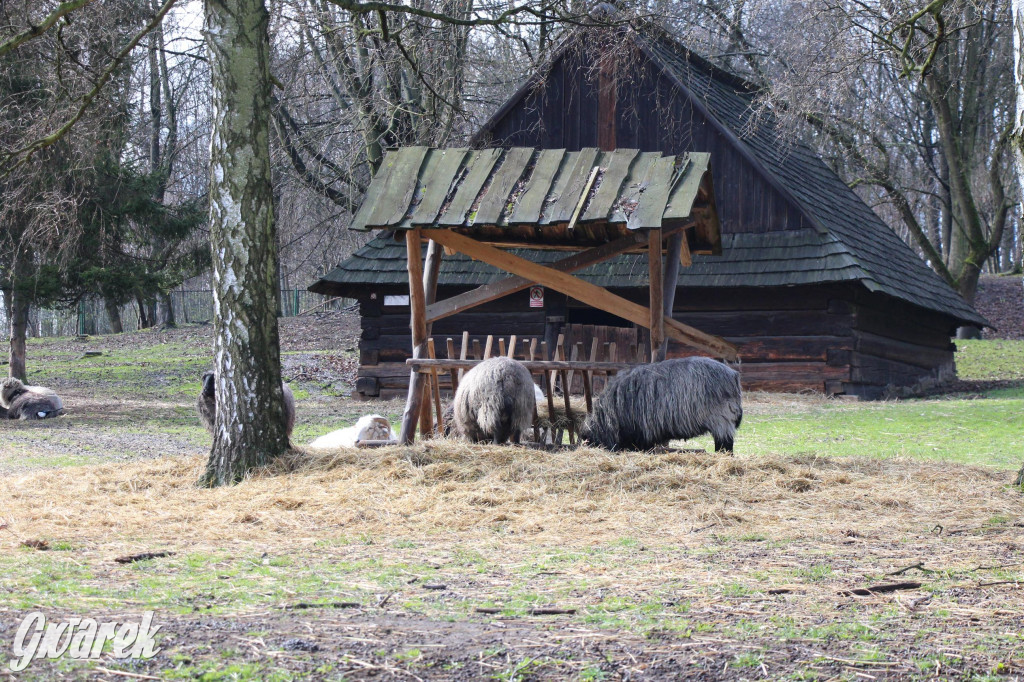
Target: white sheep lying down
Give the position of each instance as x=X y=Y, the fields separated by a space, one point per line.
x=369 y=427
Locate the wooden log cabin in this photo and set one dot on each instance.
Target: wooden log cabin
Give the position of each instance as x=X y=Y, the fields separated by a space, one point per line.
x=813 y=287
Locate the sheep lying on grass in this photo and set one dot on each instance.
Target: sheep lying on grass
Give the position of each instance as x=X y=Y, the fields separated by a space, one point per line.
x=652 y=404
x=206 y=405
x=369 y=427
x=28 y=402
x=495 y=402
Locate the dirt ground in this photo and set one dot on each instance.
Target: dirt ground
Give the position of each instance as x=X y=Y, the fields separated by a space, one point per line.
x=1000 y=300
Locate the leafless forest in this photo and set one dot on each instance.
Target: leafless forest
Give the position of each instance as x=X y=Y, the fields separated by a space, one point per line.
x=105 y=121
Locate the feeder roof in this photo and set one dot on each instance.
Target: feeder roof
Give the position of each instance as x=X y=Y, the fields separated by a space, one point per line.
x=536 y=196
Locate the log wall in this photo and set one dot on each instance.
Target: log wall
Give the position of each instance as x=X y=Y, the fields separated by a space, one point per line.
x=834 y=339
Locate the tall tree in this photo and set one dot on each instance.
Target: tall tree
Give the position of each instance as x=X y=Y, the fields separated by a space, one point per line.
x=1017 y=136
x=910 y=99
x=249 y=430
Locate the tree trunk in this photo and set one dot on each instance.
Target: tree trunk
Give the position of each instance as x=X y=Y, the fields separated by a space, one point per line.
x=19 y=332
x=165 y=311
x=1017 y=137
x=145 y=321
x=20 y=301
x=5 y=293
x=250 y=426
x=114 y=315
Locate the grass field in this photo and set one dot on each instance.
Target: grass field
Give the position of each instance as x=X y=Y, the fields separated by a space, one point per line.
x=445 y=561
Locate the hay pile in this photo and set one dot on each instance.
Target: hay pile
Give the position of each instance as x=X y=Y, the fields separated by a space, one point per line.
x=574 y=497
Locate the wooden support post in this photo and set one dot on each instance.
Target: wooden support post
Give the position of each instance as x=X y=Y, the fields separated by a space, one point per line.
x=657 y=289
x=463 y=353
x=436 y=386
x=560 y=350
x=512 y=347
x=420 y=283
x=489 y=345
x=502 y=349
x=426 y=428
x=673 y=259
x=454 y=372
x=550 y=395
x=588 y=378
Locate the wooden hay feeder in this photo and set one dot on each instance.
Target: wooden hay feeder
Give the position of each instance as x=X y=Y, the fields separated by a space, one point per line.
x=597 y=204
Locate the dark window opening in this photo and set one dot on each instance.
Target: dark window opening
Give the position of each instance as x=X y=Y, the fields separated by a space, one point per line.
x=596 y=317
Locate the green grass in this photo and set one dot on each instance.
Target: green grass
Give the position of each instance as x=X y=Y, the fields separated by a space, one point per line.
x=990 y=359
x=984 y=432
x=981 y=431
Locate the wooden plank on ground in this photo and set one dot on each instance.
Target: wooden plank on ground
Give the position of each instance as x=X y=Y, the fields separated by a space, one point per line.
x=502 y=184
x=530 y=204
x=478 y=168
x=438 y=175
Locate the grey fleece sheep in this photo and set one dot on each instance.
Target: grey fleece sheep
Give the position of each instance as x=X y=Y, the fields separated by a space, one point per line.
x=495 y=401
x=653 y=404
x=206 y=405
x=19 y=401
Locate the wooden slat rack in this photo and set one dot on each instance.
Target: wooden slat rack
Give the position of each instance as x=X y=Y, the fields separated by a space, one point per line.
x=553 y=376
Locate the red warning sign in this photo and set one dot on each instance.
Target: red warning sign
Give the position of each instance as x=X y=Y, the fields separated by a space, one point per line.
x=536 y=297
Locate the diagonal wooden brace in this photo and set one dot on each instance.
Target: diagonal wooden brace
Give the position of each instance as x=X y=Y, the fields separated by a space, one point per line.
x=581 y=290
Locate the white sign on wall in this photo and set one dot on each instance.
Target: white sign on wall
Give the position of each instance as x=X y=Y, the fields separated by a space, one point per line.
x=536 y=297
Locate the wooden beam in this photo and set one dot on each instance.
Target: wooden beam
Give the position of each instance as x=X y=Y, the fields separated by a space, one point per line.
x=418 y=324
x=673 y=259
x=535 y=366
x=420 y=284
x=510 y=285
x=657 y=293
x=582 y=291
x=685 y=257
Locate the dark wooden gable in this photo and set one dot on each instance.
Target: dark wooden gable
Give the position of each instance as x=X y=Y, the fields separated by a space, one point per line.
x=570 y=106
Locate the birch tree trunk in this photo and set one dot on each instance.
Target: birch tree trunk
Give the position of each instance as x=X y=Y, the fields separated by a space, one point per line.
x=18 y=317
x=249 y=430
x=1017 y=138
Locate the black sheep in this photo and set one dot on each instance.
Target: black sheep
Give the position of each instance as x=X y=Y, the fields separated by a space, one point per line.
x=206 y=405
x=19 y=401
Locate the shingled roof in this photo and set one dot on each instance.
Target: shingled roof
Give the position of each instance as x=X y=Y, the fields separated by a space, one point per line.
x=849 y=242
x=886 y=263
